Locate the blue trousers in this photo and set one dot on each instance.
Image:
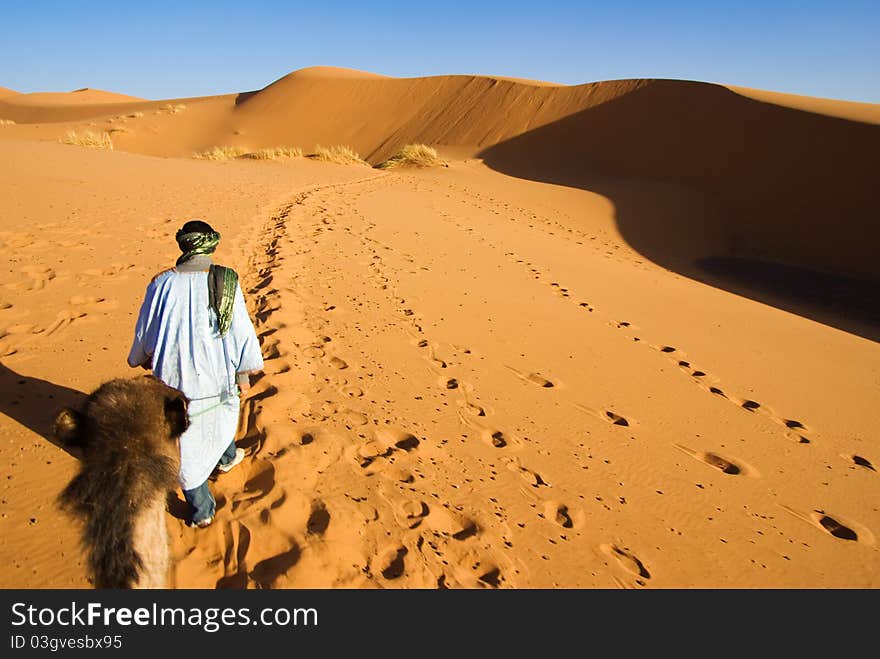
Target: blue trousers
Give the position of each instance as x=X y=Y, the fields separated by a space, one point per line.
x=201 y=502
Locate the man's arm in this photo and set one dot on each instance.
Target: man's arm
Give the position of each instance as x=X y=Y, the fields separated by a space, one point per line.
x=141 y=353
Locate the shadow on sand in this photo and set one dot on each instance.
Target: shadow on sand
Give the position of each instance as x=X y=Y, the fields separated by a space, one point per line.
x=844 y=302
x=724 y=189
x=34 y=403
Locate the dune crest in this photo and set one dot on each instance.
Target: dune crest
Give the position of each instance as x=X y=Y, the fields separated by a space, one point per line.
x=770 y=166
x=334 y=72
x=851 y=110
x=84 y=96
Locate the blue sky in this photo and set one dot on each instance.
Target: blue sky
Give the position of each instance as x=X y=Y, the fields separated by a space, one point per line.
x=161 y=49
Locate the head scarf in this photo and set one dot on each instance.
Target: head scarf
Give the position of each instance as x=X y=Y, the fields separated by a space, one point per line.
x=197 y=237
x=196 y=242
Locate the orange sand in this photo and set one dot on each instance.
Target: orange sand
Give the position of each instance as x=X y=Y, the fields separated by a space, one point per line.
x=548 y=364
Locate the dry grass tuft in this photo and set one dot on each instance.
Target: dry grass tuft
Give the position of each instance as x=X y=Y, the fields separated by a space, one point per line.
x=275 y=152
x=221 y=153
x=342 y=155
x=170 y=108
x=413 y=155
x=7 y=122
x=89 y=139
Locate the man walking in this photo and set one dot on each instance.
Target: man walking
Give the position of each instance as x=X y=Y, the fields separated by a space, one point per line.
x=195 y=334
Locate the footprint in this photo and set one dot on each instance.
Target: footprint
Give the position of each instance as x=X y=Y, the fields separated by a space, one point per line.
x=472 y=408
x=352 y=391
x=451 y=523
x=364 y=454
x=616 y=419
x=835 y=528
x=625 y=560
x=305 y=439
x=277 y=367
x=319 y=519
x=352 y=418
x=397 y=474
x=271 y=349
x=410 y=513
x=609 y=416
x=236 y=543
x=491 y=577
x=539 y=380
x=724 y=465
x=534 y=378
x=498 y=438
x=860 y=461
x=21 y=328
x=261 y=481
x=261 y=390
x=559 y=513
x=834 y=525
x=391 y=438
x=267 y=571
x=63 y=319
x=532 y=478
x=82 y=300
x=38 y=278
x=390 y=562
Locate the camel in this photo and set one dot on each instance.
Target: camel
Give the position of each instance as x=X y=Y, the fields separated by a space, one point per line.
x=127 y=431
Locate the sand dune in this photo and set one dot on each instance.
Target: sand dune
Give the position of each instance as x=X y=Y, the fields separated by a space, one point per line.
x=323 y=72
x=864 y=112
x=774 y=166
x=82 y=96
x=526 y=369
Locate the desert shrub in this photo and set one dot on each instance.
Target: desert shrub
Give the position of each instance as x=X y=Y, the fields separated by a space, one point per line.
x=275 y=152
x=413 y=155
x=89 y=139
x=221 y=153
x=171 y=108
x=342 y=155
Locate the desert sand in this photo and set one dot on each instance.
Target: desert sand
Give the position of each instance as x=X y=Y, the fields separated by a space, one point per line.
x=627 y=336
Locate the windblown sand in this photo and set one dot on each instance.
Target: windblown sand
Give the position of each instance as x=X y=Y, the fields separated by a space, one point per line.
x=511 y=371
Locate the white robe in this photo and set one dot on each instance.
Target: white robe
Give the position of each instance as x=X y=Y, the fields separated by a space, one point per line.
x=177 y=334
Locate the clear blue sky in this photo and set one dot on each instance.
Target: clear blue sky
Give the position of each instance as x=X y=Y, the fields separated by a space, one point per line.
x=159 y=49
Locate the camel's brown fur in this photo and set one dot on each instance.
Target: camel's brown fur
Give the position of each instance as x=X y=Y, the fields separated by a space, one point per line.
x=127 y=431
